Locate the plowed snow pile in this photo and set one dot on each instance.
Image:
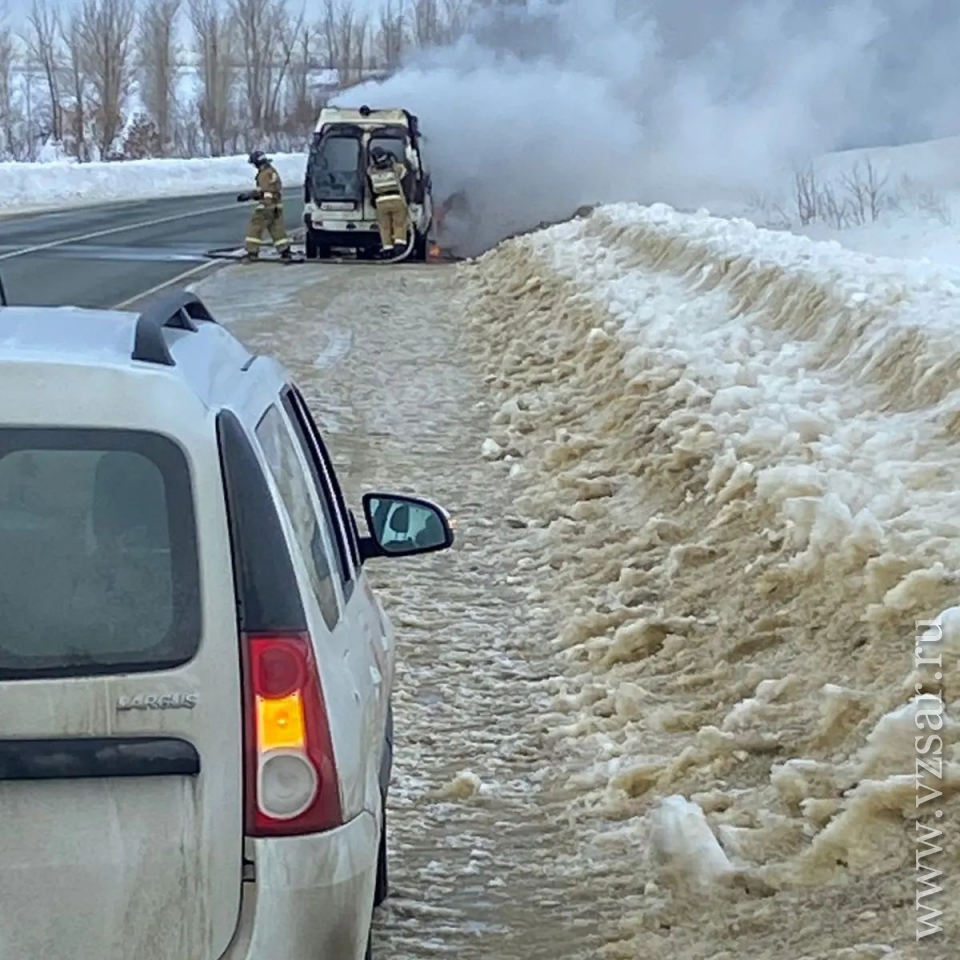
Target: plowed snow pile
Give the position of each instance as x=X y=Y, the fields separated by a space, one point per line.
x=740 y=457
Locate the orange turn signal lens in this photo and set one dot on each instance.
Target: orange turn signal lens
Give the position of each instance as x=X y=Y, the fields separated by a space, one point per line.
x=280 y=723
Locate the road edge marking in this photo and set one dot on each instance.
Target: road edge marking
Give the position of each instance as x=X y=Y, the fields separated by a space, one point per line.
x=207 y=265
x=23 y=251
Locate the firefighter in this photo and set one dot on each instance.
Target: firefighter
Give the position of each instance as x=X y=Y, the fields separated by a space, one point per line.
x=268 y=213
x=386 y=175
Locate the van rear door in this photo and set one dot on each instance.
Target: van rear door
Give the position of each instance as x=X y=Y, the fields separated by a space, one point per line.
x=120 y=729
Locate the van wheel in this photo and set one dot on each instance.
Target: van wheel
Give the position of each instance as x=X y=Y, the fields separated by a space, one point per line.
x=420 y=247
x=313 y=248
x=382 y=888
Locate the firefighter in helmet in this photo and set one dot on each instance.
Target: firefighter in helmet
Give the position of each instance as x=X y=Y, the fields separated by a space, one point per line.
x=386 y=175
x=268 y=213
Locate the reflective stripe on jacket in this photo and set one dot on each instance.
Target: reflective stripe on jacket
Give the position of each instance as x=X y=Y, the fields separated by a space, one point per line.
x=387 y=181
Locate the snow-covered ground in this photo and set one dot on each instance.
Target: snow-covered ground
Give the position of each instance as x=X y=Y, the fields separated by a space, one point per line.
x=718 y=505
x=665 y=697
x=484 y=857
x=737 y=451
x=918 y=193
x=39 y=186
x=666 y=692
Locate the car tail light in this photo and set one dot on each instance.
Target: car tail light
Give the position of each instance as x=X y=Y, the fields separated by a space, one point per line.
x=291 y=775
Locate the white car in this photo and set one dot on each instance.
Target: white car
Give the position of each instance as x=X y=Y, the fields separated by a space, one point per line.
x=195 y=675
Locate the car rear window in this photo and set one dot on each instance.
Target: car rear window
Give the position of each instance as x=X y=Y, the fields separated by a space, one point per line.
x=98 y=556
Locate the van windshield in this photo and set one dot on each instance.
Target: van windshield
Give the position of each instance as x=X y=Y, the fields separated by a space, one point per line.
x=334 y=168
x=98 y=557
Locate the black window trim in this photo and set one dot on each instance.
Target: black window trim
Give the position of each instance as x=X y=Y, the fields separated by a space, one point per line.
x=177 y=474
x=325 y=478
x=265 y=583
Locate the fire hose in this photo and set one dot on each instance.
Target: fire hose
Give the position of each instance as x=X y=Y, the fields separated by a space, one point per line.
x=232 y=253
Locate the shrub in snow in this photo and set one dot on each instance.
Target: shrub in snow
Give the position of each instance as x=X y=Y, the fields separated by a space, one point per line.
x=142 y=139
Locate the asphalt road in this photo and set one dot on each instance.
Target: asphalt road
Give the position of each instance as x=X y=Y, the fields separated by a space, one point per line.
x=112 y=254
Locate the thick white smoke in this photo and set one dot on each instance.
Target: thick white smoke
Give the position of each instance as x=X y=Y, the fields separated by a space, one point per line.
x=547 y=107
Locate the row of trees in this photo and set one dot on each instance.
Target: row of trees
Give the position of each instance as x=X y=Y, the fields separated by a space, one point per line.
x=113 y=79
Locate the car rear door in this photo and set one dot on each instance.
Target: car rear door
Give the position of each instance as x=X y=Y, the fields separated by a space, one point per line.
x=120 y=734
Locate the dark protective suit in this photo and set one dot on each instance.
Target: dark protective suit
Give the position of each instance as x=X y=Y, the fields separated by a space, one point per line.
x=268 y=213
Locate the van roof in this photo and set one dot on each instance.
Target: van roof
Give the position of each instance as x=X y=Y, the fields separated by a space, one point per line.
x=175 y=335
x=354 y=115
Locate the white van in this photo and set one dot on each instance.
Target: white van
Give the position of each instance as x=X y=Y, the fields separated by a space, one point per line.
x=339 y=211
x=195 y=675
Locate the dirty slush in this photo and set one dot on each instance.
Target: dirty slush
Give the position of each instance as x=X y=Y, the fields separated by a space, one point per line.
x=615 y=665
x=484 y=853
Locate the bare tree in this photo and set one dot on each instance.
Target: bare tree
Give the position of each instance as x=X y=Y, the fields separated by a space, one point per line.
x=267 y=35
x=807 y=193
x=392 y=33
x=439 y=22
x=299 y=53
x=214 y=31
x=331 y=38
x=158 y=59
x=361 y=32
x=865 y=192
x=7 y=56
x=859 y=199
x=345 y=37
x=427 y=23
x=44 y=29
x=256 y=22
x=255 y=61
x=106 y=34
x=71 y=34
x=456 y=17
x=287 y=34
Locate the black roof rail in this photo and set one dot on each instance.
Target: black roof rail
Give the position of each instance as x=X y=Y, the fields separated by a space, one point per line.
x=177 y=311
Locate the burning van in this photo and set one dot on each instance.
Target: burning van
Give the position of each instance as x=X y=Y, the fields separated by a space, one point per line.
x=339 y=211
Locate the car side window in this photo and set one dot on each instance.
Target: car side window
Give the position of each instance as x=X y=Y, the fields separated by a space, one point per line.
x=311 y=528
x=326 y=479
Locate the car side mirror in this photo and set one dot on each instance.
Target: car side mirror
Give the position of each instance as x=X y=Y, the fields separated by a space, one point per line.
x=401 y=526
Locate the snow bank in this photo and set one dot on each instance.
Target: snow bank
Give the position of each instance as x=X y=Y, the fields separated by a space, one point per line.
x=739 y=454
x=37 y=186
x=935 y=163
x=918 y=200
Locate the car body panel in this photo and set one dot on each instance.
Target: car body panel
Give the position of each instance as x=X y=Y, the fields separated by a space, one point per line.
x=115 y=854
x=312 y=895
